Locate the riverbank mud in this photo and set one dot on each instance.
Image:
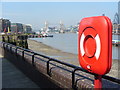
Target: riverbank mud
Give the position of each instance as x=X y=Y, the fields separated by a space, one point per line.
x=41 y=48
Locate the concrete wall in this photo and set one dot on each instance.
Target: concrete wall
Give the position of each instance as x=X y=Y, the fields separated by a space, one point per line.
x=28 y=70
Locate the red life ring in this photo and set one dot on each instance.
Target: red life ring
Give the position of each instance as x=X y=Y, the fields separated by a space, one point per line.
x=95 y=44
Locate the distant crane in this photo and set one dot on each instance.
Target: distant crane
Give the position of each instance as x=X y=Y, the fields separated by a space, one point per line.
x=46 y=26
x=62 y=27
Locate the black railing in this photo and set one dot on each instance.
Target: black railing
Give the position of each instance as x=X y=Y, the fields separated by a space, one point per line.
x=75 y=68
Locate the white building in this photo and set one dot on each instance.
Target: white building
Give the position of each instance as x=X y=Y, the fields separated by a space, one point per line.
x=27 y=28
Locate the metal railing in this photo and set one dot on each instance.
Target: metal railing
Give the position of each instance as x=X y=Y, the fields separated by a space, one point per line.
x=75 y=68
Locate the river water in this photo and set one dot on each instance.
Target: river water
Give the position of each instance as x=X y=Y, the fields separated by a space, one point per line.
x=68 y=43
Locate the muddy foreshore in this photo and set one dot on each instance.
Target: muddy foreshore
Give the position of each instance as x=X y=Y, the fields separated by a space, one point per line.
x=41 y=48
x=52 y=52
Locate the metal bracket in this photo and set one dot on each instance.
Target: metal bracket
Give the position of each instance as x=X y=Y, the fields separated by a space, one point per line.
x=33 y=58
x=16 y=50
x=7 y=46
x=4 y=45
x=74 y=86
x=11 y=48
x=23 y=55
x=48 y=71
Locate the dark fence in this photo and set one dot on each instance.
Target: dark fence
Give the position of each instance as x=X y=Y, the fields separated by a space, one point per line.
x=72 y=69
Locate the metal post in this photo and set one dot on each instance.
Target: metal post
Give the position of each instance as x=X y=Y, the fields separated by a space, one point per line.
x=73 y=78
x=33 y=59
x=16 y=50
x=98 y=82
x=23 y=55
x=48 y=71
x=7 y=47
x=3 y=45
x=11 y=48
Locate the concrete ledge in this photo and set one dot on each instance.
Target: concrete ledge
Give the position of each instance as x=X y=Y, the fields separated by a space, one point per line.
x=29 y=70
x=60 y=76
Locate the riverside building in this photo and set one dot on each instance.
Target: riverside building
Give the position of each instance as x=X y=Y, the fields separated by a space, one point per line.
x=116 y=28
x=5 y=25
x=27 y=28
x=17 y=28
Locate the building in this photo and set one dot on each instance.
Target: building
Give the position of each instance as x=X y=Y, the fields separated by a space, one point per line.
x=5 y=25
x=27 y=28
x=1 y=28
x=116 y=21
x=116 y=28
x=119 y=11
x=17 y=28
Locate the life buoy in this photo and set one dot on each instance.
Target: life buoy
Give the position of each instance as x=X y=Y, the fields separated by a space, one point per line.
x=95 y=43
x=90 y=45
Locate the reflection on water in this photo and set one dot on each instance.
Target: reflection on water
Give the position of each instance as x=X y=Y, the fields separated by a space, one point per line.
x=68 y=43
